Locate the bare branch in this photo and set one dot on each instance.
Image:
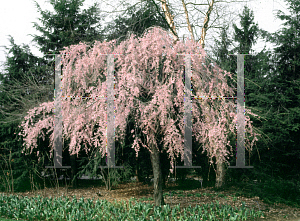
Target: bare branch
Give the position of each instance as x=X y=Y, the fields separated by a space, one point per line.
x=187 y=20
x=205 y=25
x=118 y=7
x=191 y=3
x=169 y=18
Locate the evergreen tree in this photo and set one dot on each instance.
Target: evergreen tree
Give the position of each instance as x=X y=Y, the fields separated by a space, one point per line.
x=222 y=52
x=135 y=21
x=20 y=64
x=284 y=89
x=256 y=66
x=247 y=35
x=272 y=90
x=68 y=26
x=23 y=73
x=64 y=28
x=24 y=85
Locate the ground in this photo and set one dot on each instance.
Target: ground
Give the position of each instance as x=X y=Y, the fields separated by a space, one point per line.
x=186 y=197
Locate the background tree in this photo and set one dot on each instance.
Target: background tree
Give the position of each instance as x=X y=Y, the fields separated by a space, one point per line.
x=269 y=93
x=28 y=77
x=25 y=83
x=25 y=70
x=273 y=92
x=256 y=66
x=68 y=25
x=197 y=17
x=282 y=89
x=134 y=20
x=222 y=50
x=247 y=35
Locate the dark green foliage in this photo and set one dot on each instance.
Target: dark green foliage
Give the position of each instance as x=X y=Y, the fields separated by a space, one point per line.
x=68 y=26
x=22 y=63
x=28 y=80
x=277 y=99
x=135 y=21
x=272 y=91
x=270 y=189
x=23 y=168
x=23 y=85
x=221 y=51
x=22 y=88
x=284 y=123
x=247 y=36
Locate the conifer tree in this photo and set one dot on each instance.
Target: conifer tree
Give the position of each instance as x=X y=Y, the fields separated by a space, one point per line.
x=67 y=26
x=283 y=90
x=256 y=66
x=27 y=77
x=25 y=83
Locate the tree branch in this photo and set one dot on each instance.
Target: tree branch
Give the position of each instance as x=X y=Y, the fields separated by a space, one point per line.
x=187 y=20
x=205 y=25
x=169 y=19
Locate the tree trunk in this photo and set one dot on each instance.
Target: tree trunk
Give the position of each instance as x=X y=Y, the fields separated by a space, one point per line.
x=220 y=175
x=208 y=173
x=158 y=180
x=137 y=170
x=73 y=171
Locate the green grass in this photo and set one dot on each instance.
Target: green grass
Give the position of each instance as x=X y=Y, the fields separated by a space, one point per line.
x=38 y=208
x=272 y=191
x=5 y=219
x=289 y=194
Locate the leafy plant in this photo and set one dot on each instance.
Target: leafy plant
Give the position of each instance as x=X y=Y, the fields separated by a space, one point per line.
x=38 y=208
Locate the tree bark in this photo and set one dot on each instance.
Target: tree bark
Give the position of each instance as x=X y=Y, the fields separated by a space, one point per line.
x=208 y=174
x=188 y=20
x=158 y=179
x=170 y=20
x=220 y=175
x=205 y=24
x=137 y=176
x=73 y=171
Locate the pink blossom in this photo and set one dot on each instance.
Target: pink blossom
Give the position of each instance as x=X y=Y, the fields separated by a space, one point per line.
x=213 y=120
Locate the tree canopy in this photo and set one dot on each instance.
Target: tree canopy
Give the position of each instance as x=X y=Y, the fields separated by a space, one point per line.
x=148 y=82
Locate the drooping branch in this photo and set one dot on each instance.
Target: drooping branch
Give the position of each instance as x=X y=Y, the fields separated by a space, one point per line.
x=158 y=115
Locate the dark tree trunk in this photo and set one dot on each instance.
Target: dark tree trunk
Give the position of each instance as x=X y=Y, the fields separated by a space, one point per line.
x=209 y=175
x=73 y=171
x=158 y=179
x=137 y=175
x=220 y=176
x=165 y=167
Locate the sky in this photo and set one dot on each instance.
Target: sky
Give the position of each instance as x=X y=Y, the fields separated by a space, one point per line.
x=17 y=18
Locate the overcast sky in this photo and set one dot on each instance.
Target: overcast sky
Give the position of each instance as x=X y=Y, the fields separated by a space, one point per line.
x=17 y=17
